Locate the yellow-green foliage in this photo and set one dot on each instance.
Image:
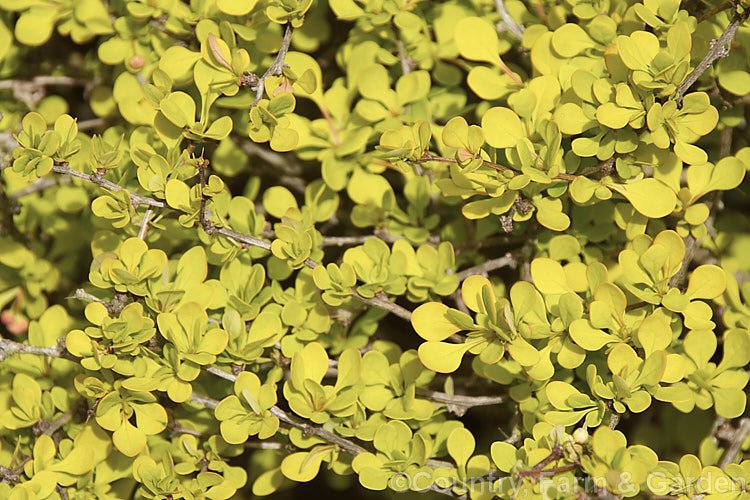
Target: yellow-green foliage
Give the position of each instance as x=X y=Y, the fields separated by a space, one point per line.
x=248 y=243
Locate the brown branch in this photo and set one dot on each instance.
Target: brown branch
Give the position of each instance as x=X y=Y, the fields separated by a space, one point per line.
x=309 y=429
x=690 y=246
x=406 y=62
x=284 y=162
x=339 y=241
x=459 y=400
x=220 y=373
x=204 y=401
x=380 y=233
x=427 y=156
x=506 y=260
x=614 y=419
x=53 y=426
x=719 y=48
x=605 y=168
x=539 y=470
x=92 y=123
x=740 y=434
x=9 y=347
x=144 y=223
x=381 y=301
x=135 y=198
x=43 y=81
x=242 y=238
x=276 y=67
x=724 y=6
x=40 y=185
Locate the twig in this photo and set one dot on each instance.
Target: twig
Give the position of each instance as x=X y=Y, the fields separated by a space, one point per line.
x=8 y=347
x=381 y=302
x=81 y=294
x=135 y=198
x=276 y=67
x=719 y=48
x=40 y=185
x=405 y=64
x=204 y=401
x=309 y=429
x=714 y=11
x=605 y=167
x=427 y=156
x=43 y=81
x=92 y=123
x=459 y=400
x=144 y=224
x=506 y=260
x=287 y=163
x=740 y=434
x=539 y=469
x=63 y=492
x=507 y=20
x=243 y=238
x=515 y=436
x=679 y=278
x=614 y=419
x=268 y=445
x=221 y=373
x=339 y=241
x=59 y=422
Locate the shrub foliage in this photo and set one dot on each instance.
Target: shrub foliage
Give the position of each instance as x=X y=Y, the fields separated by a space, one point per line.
x=246 y=243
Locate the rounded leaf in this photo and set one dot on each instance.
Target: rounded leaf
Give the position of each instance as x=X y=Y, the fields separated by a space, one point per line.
x=442 y=357
x=502 y=128
x=706 y=282
x=431 y=323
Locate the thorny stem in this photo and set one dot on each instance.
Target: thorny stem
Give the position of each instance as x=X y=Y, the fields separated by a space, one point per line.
x=276 y=67
x=719 y=48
